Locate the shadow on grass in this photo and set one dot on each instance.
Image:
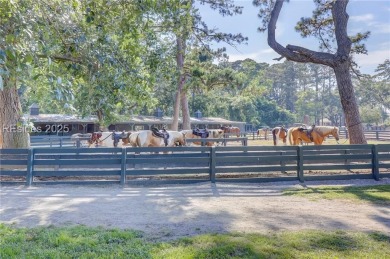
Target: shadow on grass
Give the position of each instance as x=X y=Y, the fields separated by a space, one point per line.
x=280 y=245
x=378 y=194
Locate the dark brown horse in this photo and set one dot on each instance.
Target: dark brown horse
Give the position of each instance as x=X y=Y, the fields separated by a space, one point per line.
x=231 y=130
x=279 y=133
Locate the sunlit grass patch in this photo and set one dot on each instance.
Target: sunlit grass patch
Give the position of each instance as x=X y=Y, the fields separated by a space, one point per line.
x=379 y=194
x=84 y=242
x=303 y=244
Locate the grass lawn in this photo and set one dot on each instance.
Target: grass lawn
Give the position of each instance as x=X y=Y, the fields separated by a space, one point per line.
x=379 y=194
x=85 y=242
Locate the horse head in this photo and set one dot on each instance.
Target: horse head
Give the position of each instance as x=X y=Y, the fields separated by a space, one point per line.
x=225 y=129
x=335 y=134
x=182 y=140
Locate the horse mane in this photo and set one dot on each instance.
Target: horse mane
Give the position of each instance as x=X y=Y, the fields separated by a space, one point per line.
x=325 y=129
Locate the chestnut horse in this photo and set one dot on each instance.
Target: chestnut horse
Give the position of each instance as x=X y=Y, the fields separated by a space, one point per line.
x=231 y=130
x=109 y=139
x=314 y=135
x=279 y=133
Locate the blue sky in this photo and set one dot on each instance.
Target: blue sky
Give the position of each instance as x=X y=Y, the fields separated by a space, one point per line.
x=364 y=16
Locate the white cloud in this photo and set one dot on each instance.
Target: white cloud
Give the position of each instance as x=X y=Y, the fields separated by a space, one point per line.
x=382 y=28
x=264 y=55
x=368 y=63
x=362 y=18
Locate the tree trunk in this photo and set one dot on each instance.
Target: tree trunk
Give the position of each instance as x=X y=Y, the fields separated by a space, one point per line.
x=176 y=110
x=180 y=45
x=349 y=104
x=12 y=132
x=185 y=111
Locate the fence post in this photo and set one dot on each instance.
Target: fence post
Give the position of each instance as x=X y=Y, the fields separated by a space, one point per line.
x=375 y=163
x=377 y=135
x=300 y=164
x=282 y=162
x=346 y=152
x=30 y=167
x=212 y=164
x=123 y=166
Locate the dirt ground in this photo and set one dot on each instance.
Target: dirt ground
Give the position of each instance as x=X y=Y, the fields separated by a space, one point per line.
x=172 y=211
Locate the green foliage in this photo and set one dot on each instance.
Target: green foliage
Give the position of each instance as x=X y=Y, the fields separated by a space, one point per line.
x=112 y=59
x=371 y=115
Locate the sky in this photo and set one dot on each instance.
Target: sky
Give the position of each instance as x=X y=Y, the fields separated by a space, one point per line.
x=367 y=15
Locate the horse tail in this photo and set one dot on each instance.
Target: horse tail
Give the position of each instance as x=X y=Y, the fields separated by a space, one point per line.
x=289 y=133
x=274 y=136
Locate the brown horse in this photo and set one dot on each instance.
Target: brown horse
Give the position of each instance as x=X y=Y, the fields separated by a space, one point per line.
x=263 y=132
x=316 y=134
x=279 y=133
x=231 y=130
x=109 y=139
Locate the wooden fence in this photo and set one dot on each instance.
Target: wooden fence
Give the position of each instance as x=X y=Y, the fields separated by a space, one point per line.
x=371 y=135
x=193 y=164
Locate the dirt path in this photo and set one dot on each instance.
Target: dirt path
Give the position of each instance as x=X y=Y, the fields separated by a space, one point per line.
x=166 y=212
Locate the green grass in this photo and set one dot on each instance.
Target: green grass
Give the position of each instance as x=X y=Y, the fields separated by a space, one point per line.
x=85 y=242
x=378 y=194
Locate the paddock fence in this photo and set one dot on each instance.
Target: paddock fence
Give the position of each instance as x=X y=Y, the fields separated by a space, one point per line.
x=193 y=164
x=370 y=135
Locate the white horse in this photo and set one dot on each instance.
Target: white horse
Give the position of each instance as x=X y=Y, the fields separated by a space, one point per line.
x=84 y=138
x=133 y=139
x=213 y=133
x=146 y=138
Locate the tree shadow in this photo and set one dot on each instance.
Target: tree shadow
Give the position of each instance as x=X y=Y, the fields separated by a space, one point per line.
x=376 y=194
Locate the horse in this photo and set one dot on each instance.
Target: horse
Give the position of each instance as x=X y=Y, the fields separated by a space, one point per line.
x=315 y=134
x=232 y=130
x=146 y=138
x=263 y=132
x=109 y=139
x=132 y=139
x=279 y=133
x=75 y=137
x=212 y=133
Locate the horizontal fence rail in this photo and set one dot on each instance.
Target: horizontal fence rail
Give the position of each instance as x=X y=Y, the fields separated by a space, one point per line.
x=194 y=163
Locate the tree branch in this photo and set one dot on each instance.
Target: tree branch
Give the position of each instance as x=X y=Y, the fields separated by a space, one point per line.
x=340 y=17
x=294 y=53
x=61 y=58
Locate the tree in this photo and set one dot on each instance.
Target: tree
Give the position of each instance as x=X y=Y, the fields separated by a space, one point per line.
x=321 y=25
x=92 y=48
x=182 y=18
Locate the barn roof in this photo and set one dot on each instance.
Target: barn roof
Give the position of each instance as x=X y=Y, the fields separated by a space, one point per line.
x=60 y=118
x=168 y=120
x=63 y=118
